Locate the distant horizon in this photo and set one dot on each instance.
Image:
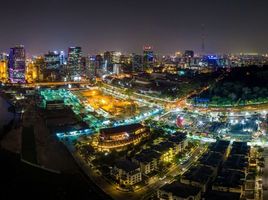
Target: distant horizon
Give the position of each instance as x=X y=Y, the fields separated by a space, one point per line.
x=156 y=52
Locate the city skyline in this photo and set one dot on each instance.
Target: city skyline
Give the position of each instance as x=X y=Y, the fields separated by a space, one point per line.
x=126 y=26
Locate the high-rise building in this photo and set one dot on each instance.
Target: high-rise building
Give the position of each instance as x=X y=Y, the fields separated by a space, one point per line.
x=3 y=57
x=52 y=66
x=62 y=58
x=136 y=62
x=39 y=62
x=107 y=57
x=84 y=64
x=74 y=66
x=52 y=60
x=3 y=71
x=116 y=57
x=108 y=62
x=16 y=64
x=148 y=56
x=31 y=74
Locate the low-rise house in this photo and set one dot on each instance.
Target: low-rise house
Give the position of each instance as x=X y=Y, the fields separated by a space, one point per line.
x=126 y=172
x=236 y=162
x=178 y=191
x=179 y=139
x=250 y=186
x=240 y=148
x=218 y=195
x=221 y=146
x=229 y=181
x=200 y=176
x=213 y=160
x=168 y=150
x=148 y=161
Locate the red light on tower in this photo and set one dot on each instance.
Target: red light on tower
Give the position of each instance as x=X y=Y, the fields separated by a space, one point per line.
x=147 y=48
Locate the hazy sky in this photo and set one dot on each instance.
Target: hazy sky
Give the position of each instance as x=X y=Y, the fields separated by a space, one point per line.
x=126 y=25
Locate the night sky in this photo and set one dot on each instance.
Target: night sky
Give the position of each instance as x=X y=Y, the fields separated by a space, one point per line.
x=126 y=25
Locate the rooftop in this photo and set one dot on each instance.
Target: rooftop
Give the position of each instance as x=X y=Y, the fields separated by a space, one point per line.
x=212 y=159
x=236 y=162
x=180 y=190
x=177 y=137
x=126 y=165
x=240 y=148
x=220 y=146
x=147 y=156
x=163 y=146
x=217 y=195
x=201 y=174
x=229 y=178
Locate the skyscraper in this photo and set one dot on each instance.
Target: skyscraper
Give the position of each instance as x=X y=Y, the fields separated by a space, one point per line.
x=62 y=58
x=39 y=62
x=148 y=56
x=3 y=71
x=74 y=66
x=52 y=66
x=136 y=62
x=16 y=64
x=52 y=60
x=3 y=57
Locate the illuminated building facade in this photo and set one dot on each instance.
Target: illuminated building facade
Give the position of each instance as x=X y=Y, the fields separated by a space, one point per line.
x=116 y=57
x=148 y=56
x=3 y=71
x=121 y=136
x=31 y=72
x=108 y=62
x=39 y=62
x=17 y=65
x=52 y=60
x=3 y=57
x=62 y=58
x=74 y=66
x=95 y=68
x=52 y=66
x=111 y=61
x=126 y=173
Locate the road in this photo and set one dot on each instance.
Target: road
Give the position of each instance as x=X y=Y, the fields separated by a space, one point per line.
x=143 y=193
x=176 y=170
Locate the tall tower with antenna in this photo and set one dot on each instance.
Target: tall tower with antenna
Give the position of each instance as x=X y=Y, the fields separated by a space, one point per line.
x=203 y=38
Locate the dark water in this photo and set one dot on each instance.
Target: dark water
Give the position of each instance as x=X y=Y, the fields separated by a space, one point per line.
x=5 y=116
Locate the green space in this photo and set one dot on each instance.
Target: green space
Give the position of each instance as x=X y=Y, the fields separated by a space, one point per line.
x=28 y=148
x=243 y=86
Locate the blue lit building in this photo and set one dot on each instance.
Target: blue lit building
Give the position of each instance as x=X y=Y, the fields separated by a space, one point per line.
x=148 y=56
x=211 y=60
x=16 y=64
